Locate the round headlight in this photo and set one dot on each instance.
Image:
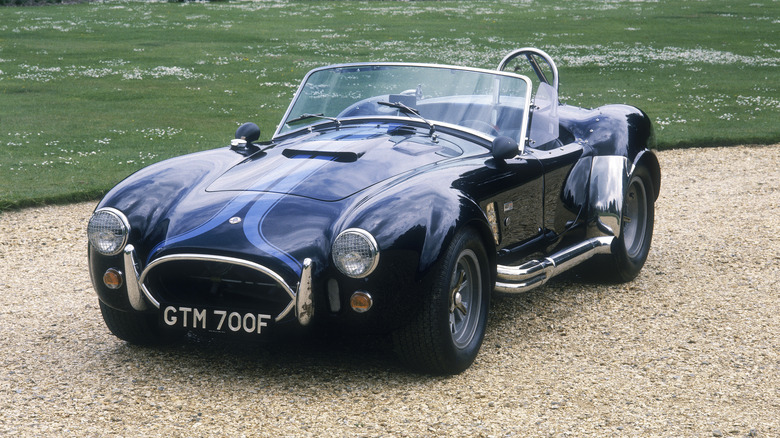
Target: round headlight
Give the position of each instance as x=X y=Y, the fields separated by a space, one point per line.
x=107 y=231
x=355 y=253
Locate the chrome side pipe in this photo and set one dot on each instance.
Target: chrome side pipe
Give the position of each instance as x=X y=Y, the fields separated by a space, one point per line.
x=529 y=275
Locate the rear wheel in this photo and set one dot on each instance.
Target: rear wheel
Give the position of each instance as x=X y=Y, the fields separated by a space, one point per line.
x=447 y=333
x=137 y=328
x=630 y=250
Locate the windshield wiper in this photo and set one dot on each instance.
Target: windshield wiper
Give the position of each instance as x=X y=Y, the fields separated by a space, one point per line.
x=409 y=110
x=314 y=116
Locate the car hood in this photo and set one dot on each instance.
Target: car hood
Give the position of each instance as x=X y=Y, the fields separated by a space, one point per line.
x=334 y=165
x=276 y=230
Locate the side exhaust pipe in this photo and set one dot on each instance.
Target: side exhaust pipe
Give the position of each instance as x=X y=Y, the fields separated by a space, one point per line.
x=529 y=275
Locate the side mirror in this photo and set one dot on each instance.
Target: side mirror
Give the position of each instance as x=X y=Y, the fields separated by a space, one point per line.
x=249 y=132
x=505 y=148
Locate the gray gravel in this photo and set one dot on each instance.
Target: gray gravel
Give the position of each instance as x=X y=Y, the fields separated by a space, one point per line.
x=690 y=348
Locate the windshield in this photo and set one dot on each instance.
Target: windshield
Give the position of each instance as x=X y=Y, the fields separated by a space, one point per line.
x=488 y=102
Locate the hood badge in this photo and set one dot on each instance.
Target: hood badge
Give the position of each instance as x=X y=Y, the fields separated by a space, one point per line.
x=234 y=220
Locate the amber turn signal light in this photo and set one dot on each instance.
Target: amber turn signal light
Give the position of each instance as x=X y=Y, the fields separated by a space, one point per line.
x=113 y=278
x=361 y=302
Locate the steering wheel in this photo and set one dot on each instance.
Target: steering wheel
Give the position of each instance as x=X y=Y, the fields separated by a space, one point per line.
x=533 y=55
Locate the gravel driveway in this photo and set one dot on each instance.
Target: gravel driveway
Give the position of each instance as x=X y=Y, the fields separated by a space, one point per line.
x=690 y=348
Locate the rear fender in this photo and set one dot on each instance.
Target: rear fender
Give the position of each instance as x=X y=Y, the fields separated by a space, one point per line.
x=620 y=138
x=648 y=159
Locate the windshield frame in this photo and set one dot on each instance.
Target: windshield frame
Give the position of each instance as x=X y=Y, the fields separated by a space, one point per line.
x=316 y=121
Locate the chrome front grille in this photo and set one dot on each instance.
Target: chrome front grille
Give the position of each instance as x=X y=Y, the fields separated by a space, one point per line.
x=216 y=281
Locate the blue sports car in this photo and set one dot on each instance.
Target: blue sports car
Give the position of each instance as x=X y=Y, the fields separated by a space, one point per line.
x=392 y=198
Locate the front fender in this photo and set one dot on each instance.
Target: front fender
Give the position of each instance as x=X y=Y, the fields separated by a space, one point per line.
x=148 y=196
x=413 y=225
x=421 y=215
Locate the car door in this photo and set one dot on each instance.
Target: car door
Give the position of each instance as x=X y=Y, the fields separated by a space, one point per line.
x=557 y=162
x=515 y=201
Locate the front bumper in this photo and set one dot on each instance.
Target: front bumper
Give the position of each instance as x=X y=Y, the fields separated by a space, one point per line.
x=299 y=299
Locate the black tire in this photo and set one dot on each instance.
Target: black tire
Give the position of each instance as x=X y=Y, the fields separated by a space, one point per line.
x=445 y=336
x=137 y=328
x=630 y=250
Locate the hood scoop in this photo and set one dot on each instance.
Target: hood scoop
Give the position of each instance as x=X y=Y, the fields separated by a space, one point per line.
x=340 y=156
x=346 y=148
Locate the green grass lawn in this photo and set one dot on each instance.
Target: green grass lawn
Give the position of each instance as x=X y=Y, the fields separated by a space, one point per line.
x=92 y=92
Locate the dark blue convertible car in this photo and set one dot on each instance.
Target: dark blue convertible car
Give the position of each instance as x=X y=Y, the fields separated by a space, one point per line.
x=392 y=198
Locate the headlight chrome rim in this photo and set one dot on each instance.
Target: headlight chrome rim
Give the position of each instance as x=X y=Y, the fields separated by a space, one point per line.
x=98 y=233
x=342 y=247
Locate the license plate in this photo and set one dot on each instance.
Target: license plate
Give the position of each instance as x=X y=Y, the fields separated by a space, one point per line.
x=213 y=320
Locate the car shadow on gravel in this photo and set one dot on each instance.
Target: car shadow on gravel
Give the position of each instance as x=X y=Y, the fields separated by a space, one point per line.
x=316 y=355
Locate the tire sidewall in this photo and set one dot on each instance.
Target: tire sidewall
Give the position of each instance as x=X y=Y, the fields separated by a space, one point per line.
x=628 y=267
x=460 y=358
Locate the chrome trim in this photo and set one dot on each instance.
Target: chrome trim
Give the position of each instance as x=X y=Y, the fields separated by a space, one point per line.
x=125 y=222
x=518 y=279
x=131 y=263
x=606 y=197
x=304 y=299
x=119 y=274
x=373 y=246
x=364 y=294
x=134 y=294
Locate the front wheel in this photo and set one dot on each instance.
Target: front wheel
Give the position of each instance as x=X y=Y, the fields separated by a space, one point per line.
x=445 y=336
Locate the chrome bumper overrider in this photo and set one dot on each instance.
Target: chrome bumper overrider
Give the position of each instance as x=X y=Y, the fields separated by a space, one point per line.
x=301 y=301
x=517 y=279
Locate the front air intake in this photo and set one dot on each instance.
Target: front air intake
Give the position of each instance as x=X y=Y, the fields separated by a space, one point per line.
x=215 y=281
